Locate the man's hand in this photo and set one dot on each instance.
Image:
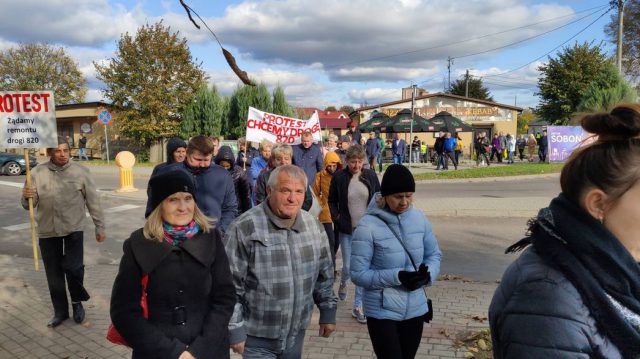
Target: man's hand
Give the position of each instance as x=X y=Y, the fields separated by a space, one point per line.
x=186 y=355
x=238 y=348
x=326 y=330
x=100 y=237
x=29 y=192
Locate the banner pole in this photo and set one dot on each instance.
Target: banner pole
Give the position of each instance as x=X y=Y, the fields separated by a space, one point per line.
x=31 y=215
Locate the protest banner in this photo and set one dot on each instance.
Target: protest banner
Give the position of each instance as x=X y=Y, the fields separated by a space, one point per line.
x=563 y=140
x=280 y=129
x=28 y=120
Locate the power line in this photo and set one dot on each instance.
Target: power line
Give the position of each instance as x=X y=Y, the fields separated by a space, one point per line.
x=533 y=37
x=599 y=8
x=552 y=50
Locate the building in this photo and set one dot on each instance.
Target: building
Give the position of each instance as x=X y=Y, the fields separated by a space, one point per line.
x=486 y=116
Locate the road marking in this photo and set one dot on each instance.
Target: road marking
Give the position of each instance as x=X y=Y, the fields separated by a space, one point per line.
x=12 y=184
x=23 y=226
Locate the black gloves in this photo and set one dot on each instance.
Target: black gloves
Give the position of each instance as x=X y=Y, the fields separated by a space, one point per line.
x=415 y=280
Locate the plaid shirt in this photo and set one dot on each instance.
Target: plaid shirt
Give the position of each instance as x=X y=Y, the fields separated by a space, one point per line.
x=278 y=273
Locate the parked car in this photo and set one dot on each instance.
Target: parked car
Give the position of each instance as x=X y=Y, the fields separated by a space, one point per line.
x=13 y=164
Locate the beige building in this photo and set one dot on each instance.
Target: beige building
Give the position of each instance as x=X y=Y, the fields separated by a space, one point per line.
x=486 y=116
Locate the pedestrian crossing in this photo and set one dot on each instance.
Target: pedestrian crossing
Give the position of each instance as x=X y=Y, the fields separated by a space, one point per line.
x=27 y=225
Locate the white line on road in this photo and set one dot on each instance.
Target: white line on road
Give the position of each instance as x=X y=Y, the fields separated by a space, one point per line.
x=22 y=226
x=12 y=184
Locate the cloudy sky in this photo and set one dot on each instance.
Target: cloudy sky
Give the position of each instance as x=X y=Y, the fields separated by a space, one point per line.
x=331 y=52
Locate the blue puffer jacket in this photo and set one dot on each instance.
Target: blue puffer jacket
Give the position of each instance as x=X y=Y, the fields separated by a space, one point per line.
x=538 y=297
x=377 y=257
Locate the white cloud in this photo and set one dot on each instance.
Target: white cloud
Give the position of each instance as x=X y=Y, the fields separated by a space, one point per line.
x=79 y=22
x=376 y=33
x=381 y=73
x=374 y=95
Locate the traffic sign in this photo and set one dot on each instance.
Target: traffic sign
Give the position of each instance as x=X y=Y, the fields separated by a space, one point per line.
x=104 y=116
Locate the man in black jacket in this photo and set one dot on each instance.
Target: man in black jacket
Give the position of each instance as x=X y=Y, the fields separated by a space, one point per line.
x=349 y=195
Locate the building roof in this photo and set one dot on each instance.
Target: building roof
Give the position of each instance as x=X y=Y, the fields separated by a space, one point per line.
x=328 y=119
x=71 y=106
x=442 y=94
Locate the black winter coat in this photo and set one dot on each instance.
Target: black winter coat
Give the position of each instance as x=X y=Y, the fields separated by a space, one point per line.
x=189 y=283
x=536 y=296
x=339 y=195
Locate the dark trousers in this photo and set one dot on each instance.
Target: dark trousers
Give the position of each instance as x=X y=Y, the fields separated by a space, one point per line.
x=495 y=151
x=262 y=348
x=450 y=156
x=542 y=154
x=63 y=257
x=479 y=158
x=393 y=339
x=521 y=153
x=328 y=228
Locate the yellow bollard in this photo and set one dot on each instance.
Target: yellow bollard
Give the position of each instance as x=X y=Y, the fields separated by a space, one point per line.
x=125 y=160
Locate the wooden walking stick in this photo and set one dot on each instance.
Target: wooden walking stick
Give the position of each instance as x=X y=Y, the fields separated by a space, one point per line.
x=31 y=215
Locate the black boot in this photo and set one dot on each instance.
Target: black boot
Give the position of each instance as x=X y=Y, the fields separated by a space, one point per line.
x=57 y=320
x=78 y=312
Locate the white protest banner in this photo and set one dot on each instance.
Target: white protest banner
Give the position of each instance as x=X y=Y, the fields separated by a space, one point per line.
x=280 y=129
x=28 y=119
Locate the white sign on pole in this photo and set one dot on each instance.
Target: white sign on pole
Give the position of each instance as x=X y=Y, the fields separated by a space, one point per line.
x=28 y=119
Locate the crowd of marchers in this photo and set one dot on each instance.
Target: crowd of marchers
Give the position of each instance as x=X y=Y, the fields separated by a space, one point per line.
x=237 y=249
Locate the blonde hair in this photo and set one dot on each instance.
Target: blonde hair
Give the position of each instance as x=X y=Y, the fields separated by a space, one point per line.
x=282 y=149
x=265 y=143
x=154 y=231
x=333 y=137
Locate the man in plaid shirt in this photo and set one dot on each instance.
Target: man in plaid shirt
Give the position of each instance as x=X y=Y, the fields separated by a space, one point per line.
x=281 y=264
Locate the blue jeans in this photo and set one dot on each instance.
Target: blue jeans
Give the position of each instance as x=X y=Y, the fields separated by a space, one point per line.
x=258 y=348
x=398 y=159
x=415 y=154
x=345 y=242
x=82 y=153
x=510 y=157
x=379 y=162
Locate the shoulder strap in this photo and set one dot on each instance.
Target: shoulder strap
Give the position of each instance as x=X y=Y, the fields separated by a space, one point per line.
x=413 y=263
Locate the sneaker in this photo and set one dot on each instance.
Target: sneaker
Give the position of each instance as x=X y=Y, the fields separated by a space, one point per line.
x=342 y=292
x=359 y=315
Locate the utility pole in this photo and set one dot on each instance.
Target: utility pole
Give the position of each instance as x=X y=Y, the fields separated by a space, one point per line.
x=466 y=84
x=619 y=47
x=449 y=62
x=413 y=104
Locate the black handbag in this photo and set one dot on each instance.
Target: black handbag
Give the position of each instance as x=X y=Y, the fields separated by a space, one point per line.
x=429 y=315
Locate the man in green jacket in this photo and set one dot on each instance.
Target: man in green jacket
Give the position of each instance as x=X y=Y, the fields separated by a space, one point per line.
x=60 y=190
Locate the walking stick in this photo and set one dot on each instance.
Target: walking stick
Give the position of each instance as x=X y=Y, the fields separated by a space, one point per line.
x=31 y=215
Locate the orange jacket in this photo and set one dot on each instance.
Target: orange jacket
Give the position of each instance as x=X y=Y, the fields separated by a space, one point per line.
x=322 y=183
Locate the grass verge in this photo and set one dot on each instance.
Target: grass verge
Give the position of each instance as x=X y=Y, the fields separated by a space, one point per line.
x=493 y=171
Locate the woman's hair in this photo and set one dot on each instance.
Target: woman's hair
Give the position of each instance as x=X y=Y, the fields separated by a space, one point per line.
x=355 y=151
x=265 y=144
x=154 y=231
x=333 y=137
x=282 y=149
x=612 y=163
x=532 y=137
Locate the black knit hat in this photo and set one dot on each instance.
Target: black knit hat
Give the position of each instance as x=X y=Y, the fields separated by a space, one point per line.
x=166 y=184
x=397 y=179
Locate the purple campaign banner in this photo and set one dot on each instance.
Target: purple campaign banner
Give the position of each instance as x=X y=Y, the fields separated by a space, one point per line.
x=563 y=140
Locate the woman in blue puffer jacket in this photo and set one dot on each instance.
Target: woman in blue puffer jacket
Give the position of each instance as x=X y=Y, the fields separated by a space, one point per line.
x=394 y=298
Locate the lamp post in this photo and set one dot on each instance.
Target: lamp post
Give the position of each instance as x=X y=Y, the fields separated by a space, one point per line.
x=413 y=103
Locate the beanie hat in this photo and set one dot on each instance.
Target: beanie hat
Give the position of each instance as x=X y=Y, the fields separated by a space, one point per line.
x=396 y=179
x=165 y=184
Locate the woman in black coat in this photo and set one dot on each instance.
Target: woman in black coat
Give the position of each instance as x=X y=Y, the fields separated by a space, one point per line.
x=190 y=295
x=575 y=293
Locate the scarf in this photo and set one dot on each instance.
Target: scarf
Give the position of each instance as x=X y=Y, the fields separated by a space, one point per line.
x=595 y=262
x=178 y=234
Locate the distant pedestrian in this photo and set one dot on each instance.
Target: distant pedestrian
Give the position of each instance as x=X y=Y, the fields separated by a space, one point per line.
x=481 y=146
x=260 y=162
x=511 y=147
x=398 y=149
x=531 y=146
x=321 y=186
x=542 y=147
x=381 y=154
x=438 y=147
x=458 y=150
x=82 y=148
x=395 y=255
x=308 y=156
x=521 y=144
x=449 y=146
x=61 y=190
x=331 y=146
x=372 y=147
x=496 y=148
x=354 y=134
x=415 y=150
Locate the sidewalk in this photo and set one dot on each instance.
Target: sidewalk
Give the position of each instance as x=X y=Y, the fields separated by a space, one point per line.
x=26 y=308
